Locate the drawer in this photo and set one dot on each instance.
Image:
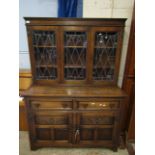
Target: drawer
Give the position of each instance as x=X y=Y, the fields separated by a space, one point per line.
x=98 y=105
x=49 y=105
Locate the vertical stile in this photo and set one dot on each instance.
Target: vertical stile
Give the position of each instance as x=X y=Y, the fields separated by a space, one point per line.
x=95 y=134
x=52 y=134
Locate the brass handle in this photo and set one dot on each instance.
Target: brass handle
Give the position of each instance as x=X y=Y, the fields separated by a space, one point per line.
x=103 y=105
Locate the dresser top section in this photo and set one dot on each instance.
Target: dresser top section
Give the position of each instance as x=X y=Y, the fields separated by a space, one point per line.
x=75 y=21
x=45 y=91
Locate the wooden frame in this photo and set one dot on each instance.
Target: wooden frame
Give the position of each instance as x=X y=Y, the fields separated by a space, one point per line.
x=109 y=26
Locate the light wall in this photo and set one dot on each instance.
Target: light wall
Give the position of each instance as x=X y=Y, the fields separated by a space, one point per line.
x=32 y=8
x=35 y=8
x=112 y=9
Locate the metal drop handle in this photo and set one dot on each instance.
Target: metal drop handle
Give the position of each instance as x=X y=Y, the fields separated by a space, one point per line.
x=77 y=133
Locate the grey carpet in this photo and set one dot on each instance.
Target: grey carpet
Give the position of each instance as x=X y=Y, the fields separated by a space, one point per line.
x=25 y=149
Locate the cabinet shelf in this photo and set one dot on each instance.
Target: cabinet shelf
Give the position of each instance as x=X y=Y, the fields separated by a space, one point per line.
x=44 y=46
x=74 y=66
x=75 y=46
x=105 y=47
x=105 y=67
x=44 y=66
x=74 y=78
x=46 y=77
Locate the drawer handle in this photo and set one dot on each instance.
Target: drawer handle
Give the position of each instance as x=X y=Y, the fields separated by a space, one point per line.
x=103 y=105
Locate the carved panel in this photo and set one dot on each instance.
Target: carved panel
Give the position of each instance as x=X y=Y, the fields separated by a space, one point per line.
x=98 y=120
x=104 y=134
x=43 y=133
x=52 y=120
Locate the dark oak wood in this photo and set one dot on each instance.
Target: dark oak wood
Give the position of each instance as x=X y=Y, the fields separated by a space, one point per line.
x=75 y=21
x=76 y=103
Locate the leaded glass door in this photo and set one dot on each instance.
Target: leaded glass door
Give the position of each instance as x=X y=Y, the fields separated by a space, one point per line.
x=45 y=53
x=75 y=41
x=106 y=50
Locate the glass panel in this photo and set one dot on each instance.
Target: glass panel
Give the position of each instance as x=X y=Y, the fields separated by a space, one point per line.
x=75 y=55
x=104 y=55
x=44 y=45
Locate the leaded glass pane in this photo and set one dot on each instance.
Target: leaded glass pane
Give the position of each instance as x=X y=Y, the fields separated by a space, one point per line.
x=104 y=55
x=75 y=55
x=45 y=54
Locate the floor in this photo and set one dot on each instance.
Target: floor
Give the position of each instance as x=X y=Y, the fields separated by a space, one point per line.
x=131 y=148
x=25 y=150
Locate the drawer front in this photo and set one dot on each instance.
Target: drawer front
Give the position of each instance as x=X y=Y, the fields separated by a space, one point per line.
x=97 y=105
x=51 y=105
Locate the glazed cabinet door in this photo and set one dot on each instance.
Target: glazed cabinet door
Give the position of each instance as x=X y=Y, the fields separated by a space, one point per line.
x=106 y=48
x=44 y=53
x=75 y=54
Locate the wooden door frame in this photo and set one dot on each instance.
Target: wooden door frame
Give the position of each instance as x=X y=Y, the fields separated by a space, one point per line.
x=119 y=30
x=30 y=30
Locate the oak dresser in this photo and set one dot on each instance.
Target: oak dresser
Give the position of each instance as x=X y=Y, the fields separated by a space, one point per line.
x=74 y=100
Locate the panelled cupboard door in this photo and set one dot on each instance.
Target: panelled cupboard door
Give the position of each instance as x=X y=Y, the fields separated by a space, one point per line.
x=95 y=128
x=53 y=128
x=44 y=53
x=105 y=51
x=74 y=49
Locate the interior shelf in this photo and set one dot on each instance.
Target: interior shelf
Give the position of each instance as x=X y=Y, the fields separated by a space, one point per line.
x=75 y=47
x=44 y=46
x=74 y=66
x=105 y=47
x=45 y=66
x=104 y=67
